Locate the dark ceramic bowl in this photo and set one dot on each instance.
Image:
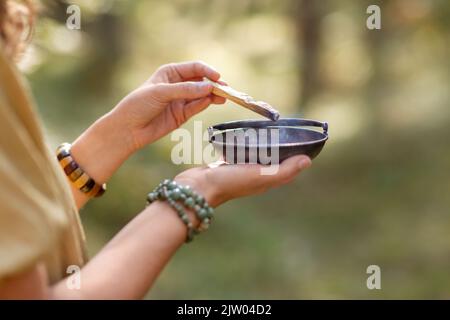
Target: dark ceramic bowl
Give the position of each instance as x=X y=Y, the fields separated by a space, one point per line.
x=262 y=141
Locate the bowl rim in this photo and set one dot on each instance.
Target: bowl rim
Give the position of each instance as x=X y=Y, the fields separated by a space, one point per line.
x=213 y=131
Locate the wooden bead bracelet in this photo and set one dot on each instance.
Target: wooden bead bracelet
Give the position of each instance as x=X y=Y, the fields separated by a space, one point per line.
x=80 y=179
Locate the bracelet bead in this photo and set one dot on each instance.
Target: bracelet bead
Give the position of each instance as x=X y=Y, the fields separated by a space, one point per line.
x=189 y=202
x=73 y=176
x=88 y=186
x=71 y=167
x=176 y=193
x=81 y=181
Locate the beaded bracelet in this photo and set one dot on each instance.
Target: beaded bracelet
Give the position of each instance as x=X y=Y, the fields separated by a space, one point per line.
x=80 y=179
x=180 y=197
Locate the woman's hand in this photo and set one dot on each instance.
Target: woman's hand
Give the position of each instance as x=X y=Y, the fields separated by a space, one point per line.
x=226 y=182
x=172 y=95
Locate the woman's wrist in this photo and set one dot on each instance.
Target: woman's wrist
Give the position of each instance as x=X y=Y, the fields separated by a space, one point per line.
x=199 y=184
x=183 y=198
x=103 y=147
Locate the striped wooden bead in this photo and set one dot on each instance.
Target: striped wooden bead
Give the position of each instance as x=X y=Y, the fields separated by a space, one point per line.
x=63 y=151
x=71 y=167
x=101 y=191
x=81 y=181
x=88 y=186
x=75 y=174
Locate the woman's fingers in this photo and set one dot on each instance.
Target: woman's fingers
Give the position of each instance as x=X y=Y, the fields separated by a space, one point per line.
x=289 y=168
x=198 y=105
x=222 y=182
x=234 y=181
x=191 y=90
x=267 y=176
x=218 y=100
x=292 y=165
x=194 y=69
x=194 y=107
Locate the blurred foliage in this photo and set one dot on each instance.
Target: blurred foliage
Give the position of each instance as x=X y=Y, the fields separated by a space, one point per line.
x=378 y=193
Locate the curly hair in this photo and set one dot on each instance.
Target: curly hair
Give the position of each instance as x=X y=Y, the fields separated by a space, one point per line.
x=16 y=26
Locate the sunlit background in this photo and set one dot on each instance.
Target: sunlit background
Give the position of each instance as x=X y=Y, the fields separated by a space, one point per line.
x=377 y=194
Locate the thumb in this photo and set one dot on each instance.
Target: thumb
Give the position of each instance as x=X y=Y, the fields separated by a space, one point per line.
x=188 y=90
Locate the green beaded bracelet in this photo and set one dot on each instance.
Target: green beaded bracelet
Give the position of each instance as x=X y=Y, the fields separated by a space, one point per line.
x=180 y=197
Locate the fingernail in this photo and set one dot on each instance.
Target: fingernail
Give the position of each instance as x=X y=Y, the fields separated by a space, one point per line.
x=304 y=163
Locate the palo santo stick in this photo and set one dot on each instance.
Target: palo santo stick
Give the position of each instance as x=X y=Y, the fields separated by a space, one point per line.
x=245 y=100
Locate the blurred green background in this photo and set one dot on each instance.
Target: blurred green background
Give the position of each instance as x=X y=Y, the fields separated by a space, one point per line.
x=379 y=193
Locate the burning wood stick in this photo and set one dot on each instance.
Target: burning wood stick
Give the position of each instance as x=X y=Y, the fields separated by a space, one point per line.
x=243 y=99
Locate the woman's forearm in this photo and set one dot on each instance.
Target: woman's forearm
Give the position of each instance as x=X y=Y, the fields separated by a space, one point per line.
x=100 y=151
x=128 y=265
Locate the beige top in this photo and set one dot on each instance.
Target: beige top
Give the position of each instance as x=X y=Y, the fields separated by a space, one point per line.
x=38 y=217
